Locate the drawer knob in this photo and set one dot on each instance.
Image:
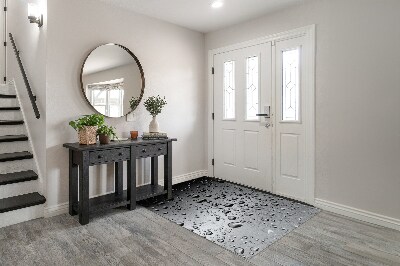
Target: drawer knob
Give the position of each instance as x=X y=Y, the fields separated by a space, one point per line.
x=159 y=149
x=144 y=150
x=100 y=156
x=120 y=154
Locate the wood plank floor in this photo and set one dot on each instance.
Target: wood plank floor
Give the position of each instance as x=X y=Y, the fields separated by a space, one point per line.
x=141 y=237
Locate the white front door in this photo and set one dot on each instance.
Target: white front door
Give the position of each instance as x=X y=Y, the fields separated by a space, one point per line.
x=290 y=87
x=242 y=142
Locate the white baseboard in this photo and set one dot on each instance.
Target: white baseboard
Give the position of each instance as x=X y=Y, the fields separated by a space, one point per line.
x=56 y=210
x=63 y=207
x=190 y=176
x=358 y=214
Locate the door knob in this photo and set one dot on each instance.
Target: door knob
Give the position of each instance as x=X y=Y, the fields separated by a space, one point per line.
x=267 y=125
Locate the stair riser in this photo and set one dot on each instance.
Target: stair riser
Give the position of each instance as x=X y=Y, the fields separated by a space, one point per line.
x=17 y=166
x=6 y=89
x=11 y=190
x=8 y=102
x=10 y=115
x=12 y=130
x=21 y=215
x=16 y=146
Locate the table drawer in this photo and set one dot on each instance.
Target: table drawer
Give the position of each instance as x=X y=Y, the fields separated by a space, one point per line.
x=151 y=150
x=109 y=156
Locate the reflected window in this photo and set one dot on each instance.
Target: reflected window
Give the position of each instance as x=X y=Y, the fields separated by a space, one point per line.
x=107 y=97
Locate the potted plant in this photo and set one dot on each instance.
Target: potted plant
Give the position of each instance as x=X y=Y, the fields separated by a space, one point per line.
x=87 y=128
x=105 y=133
x=154 y=105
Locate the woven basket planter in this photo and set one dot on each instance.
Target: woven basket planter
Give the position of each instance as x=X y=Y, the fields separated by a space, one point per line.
x=87 y=135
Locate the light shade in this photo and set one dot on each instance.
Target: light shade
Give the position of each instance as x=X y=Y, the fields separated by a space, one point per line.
x=33 y=10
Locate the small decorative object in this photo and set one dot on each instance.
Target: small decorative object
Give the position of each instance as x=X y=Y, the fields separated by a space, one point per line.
x=105 y=133
x=87 y=128
x=154 y=105
x=134 y=134
x=134 y=103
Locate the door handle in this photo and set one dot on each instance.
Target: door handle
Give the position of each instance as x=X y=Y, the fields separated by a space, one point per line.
x=267 y=125
x=264 y=115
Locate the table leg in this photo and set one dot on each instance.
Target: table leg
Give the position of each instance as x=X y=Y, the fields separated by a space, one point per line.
x=73 y=184
x=168 y=171
x=84 y=189
x=119 y=188
x=154 y=170
x=131 y=183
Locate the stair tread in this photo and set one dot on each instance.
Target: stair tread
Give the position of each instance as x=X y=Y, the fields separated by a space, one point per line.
x=11 y=122
x=17 y=177
x=21 y=201
x=5 y=157
x=11 y=138
x=11 y=108
x=8 y=96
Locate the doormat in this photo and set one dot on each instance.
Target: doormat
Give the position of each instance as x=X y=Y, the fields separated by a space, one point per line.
x=240 y=219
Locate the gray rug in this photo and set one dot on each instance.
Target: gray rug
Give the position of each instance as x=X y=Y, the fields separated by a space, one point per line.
x=240 y=219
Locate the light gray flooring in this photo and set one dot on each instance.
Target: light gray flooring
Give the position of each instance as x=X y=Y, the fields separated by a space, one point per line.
x=141 y=237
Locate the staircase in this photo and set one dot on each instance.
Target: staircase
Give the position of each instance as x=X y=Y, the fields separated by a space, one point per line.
x=20 y=199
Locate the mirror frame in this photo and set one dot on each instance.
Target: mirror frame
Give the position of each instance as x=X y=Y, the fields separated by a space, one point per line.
x=137 y=63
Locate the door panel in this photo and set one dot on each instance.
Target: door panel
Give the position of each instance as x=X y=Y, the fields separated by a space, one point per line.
x=290 y=128
x=242 y=143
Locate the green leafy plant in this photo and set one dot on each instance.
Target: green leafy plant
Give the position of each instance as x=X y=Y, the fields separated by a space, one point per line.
x=155 y=104
x=134 y=102
x=87 y=121
x=107 y=130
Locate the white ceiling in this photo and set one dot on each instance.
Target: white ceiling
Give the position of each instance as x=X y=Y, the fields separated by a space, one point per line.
x=198 y=14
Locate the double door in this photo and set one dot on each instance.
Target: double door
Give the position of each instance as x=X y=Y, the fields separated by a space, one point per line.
x=259 y=122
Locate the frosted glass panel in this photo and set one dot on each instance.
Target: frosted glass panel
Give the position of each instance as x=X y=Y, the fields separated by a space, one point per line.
x=252 y=85
x=290 y=85
x=229 y=90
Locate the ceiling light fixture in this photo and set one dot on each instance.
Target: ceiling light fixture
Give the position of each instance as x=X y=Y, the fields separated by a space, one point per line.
x=217 y=4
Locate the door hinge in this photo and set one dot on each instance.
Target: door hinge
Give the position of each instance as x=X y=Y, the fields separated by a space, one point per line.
x=212 y=70
x=212 y=162
x=212 y=116
x=5 y=79
x=5 y=43
x=5 y=9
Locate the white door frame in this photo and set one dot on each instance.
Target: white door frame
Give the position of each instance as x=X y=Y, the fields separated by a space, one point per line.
x=309 y=33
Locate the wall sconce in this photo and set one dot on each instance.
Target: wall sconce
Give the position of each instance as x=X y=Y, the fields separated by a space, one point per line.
x=34 y=15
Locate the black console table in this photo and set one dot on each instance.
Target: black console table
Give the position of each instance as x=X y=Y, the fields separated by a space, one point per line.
x=83 y=156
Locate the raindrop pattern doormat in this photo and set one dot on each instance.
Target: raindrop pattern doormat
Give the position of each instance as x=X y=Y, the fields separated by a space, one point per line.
x=240 y=219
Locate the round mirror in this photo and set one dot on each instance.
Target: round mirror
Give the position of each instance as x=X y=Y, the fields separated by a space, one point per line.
x=111 y=76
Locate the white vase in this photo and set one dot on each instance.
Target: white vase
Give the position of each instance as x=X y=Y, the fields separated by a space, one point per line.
x=154 y=127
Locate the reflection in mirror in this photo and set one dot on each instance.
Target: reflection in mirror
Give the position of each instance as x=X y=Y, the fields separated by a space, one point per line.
x=111 y=76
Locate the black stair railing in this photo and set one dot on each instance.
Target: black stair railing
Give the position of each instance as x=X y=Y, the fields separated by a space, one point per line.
x=26 y=81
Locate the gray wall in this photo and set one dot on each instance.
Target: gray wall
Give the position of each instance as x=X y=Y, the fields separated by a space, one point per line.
x=357 y=96
x=31 y=42
x=173 y=61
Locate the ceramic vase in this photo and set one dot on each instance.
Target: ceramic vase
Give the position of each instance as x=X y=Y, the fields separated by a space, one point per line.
x=104 y=139
x=154 y=127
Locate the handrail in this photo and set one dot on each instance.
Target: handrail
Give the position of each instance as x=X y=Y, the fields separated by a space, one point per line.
x=26 y=81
